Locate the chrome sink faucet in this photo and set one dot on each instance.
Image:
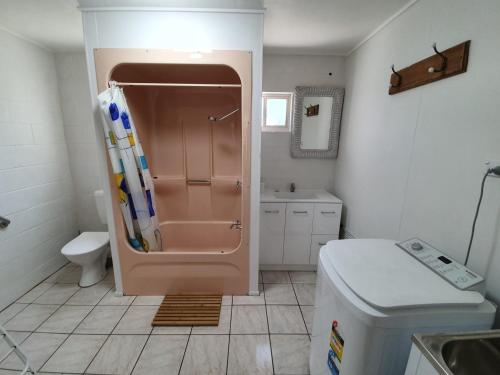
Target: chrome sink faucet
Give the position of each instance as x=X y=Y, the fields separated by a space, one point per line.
x=292 y=187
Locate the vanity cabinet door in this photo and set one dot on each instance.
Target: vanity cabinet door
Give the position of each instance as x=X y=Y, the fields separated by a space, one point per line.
x=317 y=242
x=326 y=218
x=298 y=229
x=272 y=228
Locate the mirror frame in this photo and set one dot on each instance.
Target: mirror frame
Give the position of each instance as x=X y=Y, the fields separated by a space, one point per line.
x=301 y=92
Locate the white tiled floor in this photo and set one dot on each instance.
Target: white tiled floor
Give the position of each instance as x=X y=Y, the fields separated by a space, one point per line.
x=71 y=330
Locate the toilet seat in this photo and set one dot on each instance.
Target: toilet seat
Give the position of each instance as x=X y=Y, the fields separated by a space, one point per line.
x=85 y=243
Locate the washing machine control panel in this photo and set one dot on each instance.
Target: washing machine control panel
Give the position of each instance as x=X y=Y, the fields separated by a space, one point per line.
x=450 y=270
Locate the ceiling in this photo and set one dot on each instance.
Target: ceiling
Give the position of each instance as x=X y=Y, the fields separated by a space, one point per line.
x=323 y=26
x=328 y=27
x=55 y=24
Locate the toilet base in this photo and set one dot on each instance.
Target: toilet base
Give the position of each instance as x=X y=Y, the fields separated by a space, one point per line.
x=93 y=273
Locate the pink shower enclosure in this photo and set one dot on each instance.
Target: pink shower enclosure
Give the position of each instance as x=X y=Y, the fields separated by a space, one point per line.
x=200 y=168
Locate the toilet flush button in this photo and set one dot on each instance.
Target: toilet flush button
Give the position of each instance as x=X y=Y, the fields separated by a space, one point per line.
x=416 y=246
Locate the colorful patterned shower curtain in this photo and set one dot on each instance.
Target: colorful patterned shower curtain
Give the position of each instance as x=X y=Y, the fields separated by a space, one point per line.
x=130 y=168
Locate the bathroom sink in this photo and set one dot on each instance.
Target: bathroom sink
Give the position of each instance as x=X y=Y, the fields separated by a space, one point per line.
x=294 y=195
x=470 y=353
x=473 y=356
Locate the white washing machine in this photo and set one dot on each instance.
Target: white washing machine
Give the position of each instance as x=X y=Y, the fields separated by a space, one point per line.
x=372 y=295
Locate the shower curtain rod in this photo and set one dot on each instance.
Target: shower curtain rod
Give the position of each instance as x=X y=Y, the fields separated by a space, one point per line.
x=172 y=84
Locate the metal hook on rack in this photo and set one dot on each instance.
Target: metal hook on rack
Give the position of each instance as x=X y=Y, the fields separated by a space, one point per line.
x=400 y=78
x=444 y=61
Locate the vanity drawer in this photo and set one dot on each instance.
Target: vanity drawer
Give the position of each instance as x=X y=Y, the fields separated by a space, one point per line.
x=272 y=230
x=299 y=218
x=317 y=242
x=326 y=218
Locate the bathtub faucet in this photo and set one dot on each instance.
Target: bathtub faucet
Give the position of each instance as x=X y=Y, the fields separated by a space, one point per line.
x=236 y=225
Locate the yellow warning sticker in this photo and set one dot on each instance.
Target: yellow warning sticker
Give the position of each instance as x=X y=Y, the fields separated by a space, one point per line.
x=336 y=350
x=336 y=342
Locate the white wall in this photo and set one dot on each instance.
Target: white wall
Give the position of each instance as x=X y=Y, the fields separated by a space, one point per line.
x=283 y=73
x=80 y=137
x=182 y=29
x=411 y=164
x=35 y=184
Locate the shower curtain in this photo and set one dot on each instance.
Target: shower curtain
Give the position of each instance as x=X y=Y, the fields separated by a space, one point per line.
x=130 y=168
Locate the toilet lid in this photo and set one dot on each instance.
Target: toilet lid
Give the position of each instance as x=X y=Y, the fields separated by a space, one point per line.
x=85 y=243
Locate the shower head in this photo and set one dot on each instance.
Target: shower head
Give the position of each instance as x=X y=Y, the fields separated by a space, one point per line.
x=215 y=119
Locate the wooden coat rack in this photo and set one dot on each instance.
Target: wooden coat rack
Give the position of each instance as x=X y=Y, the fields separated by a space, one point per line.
x=441 y=65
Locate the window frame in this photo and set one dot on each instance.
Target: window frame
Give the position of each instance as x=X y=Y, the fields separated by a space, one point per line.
x=277 y=95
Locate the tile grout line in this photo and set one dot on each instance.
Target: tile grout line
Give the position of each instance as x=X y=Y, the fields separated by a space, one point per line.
x=60 y=306
x=38 y=326
x=121 y=317
x=142 y=350
x=72 y=332
x=185 y=350
x=96 y=354
x=150 y=332
x=41 y=282
x=229 y=337
x=267 y=319
x=108 y=335
x=85 y=317
x=13 y=316
x=54 y=312
x=301 y=313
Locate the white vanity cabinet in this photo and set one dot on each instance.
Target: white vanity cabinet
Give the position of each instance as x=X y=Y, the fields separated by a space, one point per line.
x=293 y=231
x=272 y=231
x=298 y=229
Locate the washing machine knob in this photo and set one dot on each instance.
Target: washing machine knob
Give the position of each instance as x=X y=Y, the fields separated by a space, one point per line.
x=416 y=246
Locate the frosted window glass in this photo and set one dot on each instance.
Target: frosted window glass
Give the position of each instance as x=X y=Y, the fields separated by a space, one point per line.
x=276 y=112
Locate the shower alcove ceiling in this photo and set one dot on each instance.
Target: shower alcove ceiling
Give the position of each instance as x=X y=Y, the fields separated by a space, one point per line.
x=200 y=167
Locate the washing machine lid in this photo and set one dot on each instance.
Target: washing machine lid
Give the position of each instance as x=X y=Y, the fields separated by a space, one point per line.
x=386 y=277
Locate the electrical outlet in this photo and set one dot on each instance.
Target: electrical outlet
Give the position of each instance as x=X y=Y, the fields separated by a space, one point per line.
x=492 y=164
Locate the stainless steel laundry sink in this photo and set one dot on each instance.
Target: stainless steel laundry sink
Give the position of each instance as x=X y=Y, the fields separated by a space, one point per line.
x=462 y=354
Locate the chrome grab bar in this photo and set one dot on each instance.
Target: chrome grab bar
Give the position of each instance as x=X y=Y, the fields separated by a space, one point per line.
x=199 y=182
x=4 y=222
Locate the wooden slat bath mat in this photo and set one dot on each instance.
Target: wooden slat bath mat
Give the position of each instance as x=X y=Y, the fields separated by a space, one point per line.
x=189 y=310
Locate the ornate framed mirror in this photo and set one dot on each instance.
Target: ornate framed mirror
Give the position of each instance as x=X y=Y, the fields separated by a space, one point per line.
x=317 y=112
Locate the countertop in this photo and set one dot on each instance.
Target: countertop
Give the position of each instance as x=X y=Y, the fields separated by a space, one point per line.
x=321 y=196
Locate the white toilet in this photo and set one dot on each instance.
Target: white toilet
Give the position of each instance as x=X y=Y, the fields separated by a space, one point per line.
x=90 y=249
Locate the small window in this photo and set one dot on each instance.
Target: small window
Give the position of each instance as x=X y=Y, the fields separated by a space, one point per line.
x=276 y=111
